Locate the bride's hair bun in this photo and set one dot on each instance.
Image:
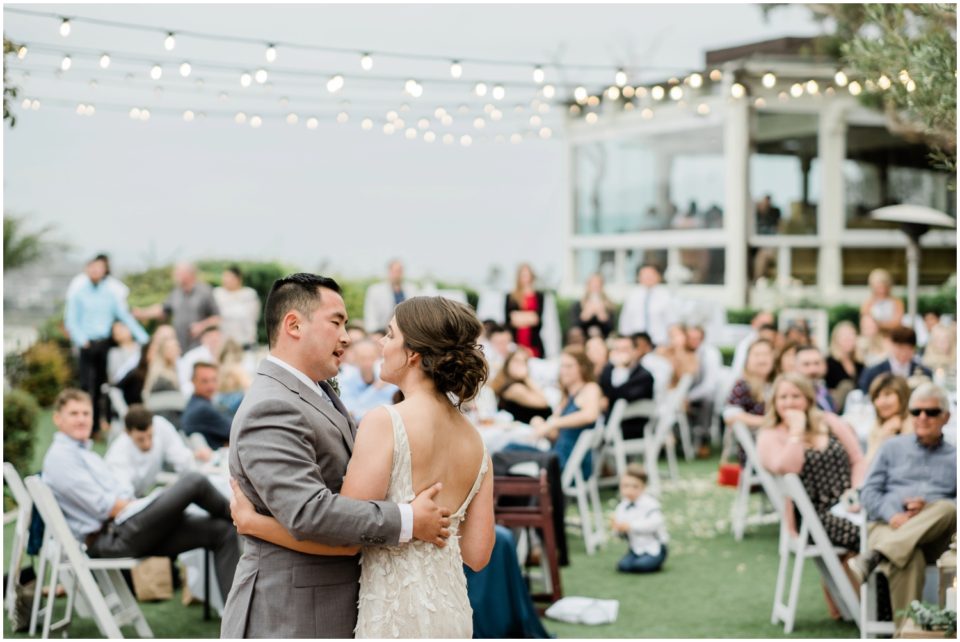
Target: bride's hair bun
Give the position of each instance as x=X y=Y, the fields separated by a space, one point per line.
x=444 y=333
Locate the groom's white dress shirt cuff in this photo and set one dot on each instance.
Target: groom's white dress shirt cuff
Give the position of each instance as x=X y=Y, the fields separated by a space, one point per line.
x=406 y=522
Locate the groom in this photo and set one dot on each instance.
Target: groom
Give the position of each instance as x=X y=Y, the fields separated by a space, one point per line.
x=289 y=447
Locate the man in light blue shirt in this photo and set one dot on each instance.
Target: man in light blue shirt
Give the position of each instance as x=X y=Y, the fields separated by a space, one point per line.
x=92 y=307
x=361 y=389
x=103 y=514
x=911 y=499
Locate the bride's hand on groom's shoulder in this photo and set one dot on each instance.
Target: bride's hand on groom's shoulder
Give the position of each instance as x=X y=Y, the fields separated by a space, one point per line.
x=431 y=522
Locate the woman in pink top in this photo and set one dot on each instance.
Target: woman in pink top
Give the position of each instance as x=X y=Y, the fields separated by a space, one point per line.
x=819 y=447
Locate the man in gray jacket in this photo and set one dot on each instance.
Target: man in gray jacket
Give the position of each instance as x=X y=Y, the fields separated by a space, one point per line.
x=290 y=444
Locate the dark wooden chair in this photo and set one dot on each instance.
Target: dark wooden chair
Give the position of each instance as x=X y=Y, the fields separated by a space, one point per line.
x=537 y=514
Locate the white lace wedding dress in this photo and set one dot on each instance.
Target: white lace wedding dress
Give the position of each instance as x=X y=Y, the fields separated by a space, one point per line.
x=415 y=590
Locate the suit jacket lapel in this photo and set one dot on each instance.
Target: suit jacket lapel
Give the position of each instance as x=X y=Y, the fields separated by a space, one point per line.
x=342 y=411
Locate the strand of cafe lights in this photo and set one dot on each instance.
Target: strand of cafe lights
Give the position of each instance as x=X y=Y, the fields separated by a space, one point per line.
x=581 y=103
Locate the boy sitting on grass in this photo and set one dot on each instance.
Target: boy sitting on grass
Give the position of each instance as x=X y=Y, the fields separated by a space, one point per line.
x=638 y=519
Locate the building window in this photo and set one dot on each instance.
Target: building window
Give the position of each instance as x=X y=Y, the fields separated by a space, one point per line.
x=783 y=174
x=705 y=266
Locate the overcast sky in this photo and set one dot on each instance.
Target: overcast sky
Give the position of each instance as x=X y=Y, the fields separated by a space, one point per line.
x=336 y=197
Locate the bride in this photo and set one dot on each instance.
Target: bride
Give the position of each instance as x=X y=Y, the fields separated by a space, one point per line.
x=416 y=590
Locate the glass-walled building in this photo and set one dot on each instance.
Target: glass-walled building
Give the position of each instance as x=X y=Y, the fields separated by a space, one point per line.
x=749 y=184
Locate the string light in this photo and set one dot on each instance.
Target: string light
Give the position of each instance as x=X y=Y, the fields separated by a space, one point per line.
x=188 y=116
x=104 y=61
x=26 y=103
x=676 y=92
x=545 y=133
x=366 y=124
x=447 y=120
x=549 y=91
x=388 y=129
x=796 y=90
x=640 y=92
x=448 y=139
x=34 y=104
x=783 y=96
x=538 y=75
x=769 y=80
x=591 y=118
x=260 y=76
x=496 y=114
x=480 y=89
x=429 y=137
x=535 y=121
x=760 y=102
x=185 y=69
x=255 y=121
x=391 y=115
x=240 y=118
x=335 y=83
x=575 y=110
x=613 y=92
x=398 y=123
x=620 y=78
x=657 y=93
x=911 y=86
x=245 y=79
x=169 y=43
x=813 y=88
x=65 y=63
x=343 y=117
x=716 y=75
x=516 y=138
x=703 y=109
x=854 y=88
x=498 y=92
x=628 y=92
x=466 y=140
x=647 y=113
x=593 y=101
x=65 y=27
x=479 y=123
x=270 y=54
x=410 y=133
x=22 y=52
x=695 y=80
x=144 y=115
x=156 y=72
x=135 y=113
x=366 y=62
x=423 y=123
x=580 y=94
x=737 y=90
x=883 y=82
x=904 y=76
x=456 y=69
x=413 y=88
x=292 y=119
x=840 y=78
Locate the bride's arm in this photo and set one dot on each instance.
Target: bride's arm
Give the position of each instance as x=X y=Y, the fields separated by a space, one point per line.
x=477 y=534
x=368 y=474
x=250 y=522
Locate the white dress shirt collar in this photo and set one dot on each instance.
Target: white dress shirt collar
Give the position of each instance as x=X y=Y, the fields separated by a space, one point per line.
x=299 y=375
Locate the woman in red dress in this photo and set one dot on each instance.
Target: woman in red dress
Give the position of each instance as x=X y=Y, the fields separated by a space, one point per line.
x=524 y=312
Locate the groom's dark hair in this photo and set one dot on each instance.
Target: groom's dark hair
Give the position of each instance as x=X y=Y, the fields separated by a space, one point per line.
x=300 y=292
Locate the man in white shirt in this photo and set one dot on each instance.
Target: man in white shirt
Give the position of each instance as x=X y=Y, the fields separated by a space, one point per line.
x=648 y=307
x=149 y=444
x=211 y=343
x=704 y=389
x=239 y=308
x=381 y=298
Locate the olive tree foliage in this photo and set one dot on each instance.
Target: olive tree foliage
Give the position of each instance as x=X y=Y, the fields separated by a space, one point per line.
x=9 y=91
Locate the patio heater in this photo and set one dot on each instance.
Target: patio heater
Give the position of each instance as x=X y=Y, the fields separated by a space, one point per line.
x=915 y=221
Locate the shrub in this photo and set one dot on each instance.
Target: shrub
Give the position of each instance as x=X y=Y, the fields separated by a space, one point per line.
x=843 y=312
x=42 y=370
x=20 y=411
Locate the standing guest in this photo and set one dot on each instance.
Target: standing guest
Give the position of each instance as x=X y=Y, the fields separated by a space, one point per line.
x=594 y=312
x=704 y=389
x=381 y=298
x=148 y=445
x=625 y=378
x=747 y=401
x=239 y=308
x=103 y=514
x=883 y=308
x=890 y=395
x=810 y=364
x=761 y=327
x=191 y=304
x=648 y=307
x=901 y=359
x=200 y=415
x=112 y=283
x=579 y=407
x=639 y=520
x=817 y=446
x=598 y=353
x=872 y=344
x=523 y=311
x=843 y=367
x=361 y=388
x=911 y=501
x=88 y=316
x=125 y=355
x=768 y=216
x=516 y=392
x=682 y=359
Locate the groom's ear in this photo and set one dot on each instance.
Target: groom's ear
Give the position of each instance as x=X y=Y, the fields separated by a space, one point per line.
x=291 y=324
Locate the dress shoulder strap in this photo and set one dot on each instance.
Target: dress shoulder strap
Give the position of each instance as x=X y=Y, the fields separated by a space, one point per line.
x=476 y=483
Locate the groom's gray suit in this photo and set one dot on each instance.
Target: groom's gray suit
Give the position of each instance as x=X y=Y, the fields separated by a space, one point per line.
x=289 y=449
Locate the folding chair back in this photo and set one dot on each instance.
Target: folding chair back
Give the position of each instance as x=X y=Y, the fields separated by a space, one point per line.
x=669 y=413
x=586 y=490
x=619 y=448
x=810 y=543
x=21 y=531
x=752 y=474
x=110 y=601
x=725 y=382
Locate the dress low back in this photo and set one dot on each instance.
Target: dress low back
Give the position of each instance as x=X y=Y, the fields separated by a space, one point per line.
x=415 y=590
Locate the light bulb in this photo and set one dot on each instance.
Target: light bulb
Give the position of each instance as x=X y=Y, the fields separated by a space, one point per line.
x=696 y=81
x=366 y=62
x=135 y=113
x=260 y=76
x=144 y=115
x=716 y=75
x=545 y=133
x=580 y=94
x=366 y=124
x=516 y=138
x=22 y=52
x=343 y=117
x=796 y=90
x=620 y=78
x=388 y=129
x=65 y=27
x=613 y=92
x=410 y=133
x=480 y=89
x=479 y=123
x=169 y=42
x=245 y=79
x=538 y=75
x=840 y=78
x=255 y=121
x=496 y=114
x=498 y=92
x=759 y=102
x=737 y=90
x=466 y=140
x=703 y=109
x=549 y=91
x=769 y=80
x=647 y=113
x=240 y=118
x=91 y=110
x=413 y=88
x=456 y=69
x=65 y=63
x=676 y=92
x=591 y=118
x=81 y=109
x=188 y=116
x=429 y=137
x=423 y=123
x=104 y=61
x=854 y=88
x=447 y=120
x=156 y=72
x=883 y=82
x=911 y=86
x=292 y=119
x=335 y=84
x=813 y=87
x=270 y=54
x=628 y=92
x=312 y=123
x=440 y=112
x=657 y=92
x=185 y=69
x=448 y=139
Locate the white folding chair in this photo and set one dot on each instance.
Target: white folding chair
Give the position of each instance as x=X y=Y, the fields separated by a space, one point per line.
x=98 y=581
x=725 y=382
x=670 y=414
x=21 y=529
x=752 y=473
x=810 y=543
x=586 y=490
x=620 y=449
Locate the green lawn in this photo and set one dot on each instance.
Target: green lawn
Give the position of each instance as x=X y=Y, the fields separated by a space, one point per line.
x=710 y=587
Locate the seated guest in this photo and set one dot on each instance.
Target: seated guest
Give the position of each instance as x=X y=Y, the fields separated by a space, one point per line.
x=209 y=351
x=625 y=378
x=843 y=366
x=819 y=447
x=201 y=415
x=901 y=359
x=872 y=344
x=786 y=360
x=234 y=383
x=761 y=327
x=682 y=359
x=123 y=357
x=747 y=401
x=148 y=445
x=517 y=393
x=497 y=345
x=810 y=364
x=700 y=399
x=101 y=510
x=597 y=353
x=941 y=350
x=579 y=407
x=361 y=388
x=639 y=520
x=594 y=313
x=162 y=372
x=911 y=501
x=132 y=384
x=889 y=394
x=798 y=332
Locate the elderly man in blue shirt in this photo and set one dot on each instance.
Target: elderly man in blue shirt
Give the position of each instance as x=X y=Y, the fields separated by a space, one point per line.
x=911 y=499
x=92 y=307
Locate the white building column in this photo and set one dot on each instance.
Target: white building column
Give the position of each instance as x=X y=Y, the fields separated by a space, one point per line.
x=831 y=210
x=568 y=269
x=736 y=200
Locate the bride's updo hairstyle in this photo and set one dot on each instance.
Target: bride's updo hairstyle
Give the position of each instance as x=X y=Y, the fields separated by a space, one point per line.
x=444 y=333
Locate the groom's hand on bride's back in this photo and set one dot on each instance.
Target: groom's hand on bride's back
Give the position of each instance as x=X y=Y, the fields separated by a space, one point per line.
x=431 y=522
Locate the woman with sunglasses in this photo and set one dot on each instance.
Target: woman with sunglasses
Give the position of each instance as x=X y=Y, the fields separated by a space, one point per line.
x=889 y=394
